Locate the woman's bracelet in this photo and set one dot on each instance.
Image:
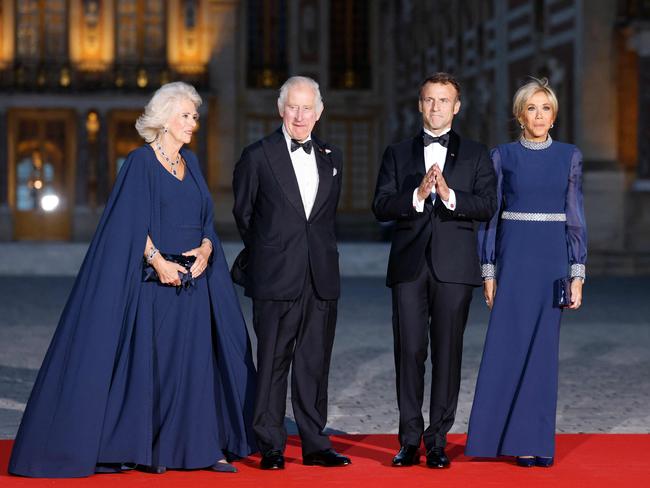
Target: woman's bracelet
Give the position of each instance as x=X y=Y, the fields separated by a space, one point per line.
x=150 y=255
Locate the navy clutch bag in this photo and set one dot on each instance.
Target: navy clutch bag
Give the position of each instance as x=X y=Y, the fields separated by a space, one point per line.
x=149 y=273
x=562 y=293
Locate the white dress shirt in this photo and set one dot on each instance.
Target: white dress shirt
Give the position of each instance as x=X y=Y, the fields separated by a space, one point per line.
x=434 y=153
x=304 y=165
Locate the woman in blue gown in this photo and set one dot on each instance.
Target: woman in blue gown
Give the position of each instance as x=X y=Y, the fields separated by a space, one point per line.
x=537 y=236
x=157 y=374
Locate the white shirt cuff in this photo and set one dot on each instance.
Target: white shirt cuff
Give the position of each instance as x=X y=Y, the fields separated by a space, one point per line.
x=418 y=204
x=451 y=203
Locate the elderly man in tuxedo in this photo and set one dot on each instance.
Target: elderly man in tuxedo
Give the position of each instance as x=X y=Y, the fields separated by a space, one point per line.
x=286 y=188
x=436 y=186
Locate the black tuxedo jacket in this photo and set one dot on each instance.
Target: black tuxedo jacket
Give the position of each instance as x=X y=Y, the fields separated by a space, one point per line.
x=280 y=243
x=450 y=237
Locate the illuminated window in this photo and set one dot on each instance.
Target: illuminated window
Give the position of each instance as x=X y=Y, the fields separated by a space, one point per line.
x=140 y=31
x=41 y=30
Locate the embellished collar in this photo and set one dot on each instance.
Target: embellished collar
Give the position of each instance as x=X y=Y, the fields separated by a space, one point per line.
x=536 y=146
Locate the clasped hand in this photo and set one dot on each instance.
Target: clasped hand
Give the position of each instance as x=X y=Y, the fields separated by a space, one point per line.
x=490 y=290
x=433 y=179
x=168 y=271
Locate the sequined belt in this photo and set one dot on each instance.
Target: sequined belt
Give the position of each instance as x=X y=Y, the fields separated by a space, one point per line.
x=534 y=217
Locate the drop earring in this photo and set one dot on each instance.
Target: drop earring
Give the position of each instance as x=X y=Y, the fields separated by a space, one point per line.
x=552 y=125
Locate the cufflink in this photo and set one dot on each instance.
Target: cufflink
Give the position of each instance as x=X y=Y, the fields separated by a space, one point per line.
x=334 y=172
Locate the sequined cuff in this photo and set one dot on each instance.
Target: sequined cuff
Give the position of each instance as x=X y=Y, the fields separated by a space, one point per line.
x=577 y=271
x=488 y=271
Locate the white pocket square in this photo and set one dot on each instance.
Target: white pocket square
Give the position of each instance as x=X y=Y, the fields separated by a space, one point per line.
x=327 y=151
x=334 y=172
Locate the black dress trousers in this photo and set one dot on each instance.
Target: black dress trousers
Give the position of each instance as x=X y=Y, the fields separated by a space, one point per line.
x=297 y=333
x=423 y=308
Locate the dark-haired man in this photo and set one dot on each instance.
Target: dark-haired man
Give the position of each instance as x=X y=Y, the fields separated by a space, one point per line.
x=436 y=186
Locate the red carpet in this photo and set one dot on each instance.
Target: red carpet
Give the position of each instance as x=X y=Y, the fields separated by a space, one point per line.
x=583 y=460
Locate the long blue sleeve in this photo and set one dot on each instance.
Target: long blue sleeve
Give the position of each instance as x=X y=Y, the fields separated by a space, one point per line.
x=487 y=232
x=576 y=227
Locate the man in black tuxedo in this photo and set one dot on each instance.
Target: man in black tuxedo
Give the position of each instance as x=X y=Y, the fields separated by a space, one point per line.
x=436 y=187
x=286 y=189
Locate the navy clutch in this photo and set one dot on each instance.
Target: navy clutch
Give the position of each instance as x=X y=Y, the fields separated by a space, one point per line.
x=149 y=273
x=562 y=293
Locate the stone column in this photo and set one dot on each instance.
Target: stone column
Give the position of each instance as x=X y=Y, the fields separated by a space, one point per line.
x=4 y=158
x=101 y=166
x=6 y=225
x=81 y=179
x=642 y=46
x=638 y=235
x=223 y=143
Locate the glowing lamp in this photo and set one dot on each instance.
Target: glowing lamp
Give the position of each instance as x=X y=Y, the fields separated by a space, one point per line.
x=49 y=202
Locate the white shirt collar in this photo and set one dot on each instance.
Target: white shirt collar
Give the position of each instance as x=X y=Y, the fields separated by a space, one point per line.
x=431 y=133
x=288 y=138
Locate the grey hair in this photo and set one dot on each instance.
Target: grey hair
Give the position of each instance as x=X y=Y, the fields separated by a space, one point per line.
x=158 y=110
x=299 y=80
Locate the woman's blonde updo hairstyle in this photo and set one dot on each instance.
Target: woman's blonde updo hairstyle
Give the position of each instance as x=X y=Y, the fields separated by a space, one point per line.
x=524 y=93
x=161 y=107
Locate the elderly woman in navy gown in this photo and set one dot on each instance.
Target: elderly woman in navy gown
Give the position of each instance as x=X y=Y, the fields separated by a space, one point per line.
x=537 y=236
x=157 y=374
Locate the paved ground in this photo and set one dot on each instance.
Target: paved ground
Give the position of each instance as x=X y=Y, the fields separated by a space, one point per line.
x=604 y=370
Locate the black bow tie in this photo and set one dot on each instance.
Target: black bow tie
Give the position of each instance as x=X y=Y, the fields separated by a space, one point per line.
x=295 y=145
x=443 y=140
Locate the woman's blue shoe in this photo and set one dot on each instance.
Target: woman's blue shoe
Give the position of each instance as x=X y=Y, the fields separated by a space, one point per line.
x=544 y=462
x=526 y=462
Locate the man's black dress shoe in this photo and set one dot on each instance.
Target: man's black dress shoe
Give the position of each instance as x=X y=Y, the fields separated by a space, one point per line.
x=407 y=456
x=272 y=460
x=436 y=458
x=327 y=457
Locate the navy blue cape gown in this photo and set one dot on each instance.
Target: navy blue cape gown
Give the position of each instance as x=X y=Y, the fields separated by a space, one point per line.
x=99 y=364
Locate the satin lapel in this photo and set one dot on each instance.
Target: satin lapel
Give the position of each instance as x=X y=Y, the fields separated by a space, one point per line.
x=325 y=176
x=452 y=154
x=417 y=158
x=275 y=148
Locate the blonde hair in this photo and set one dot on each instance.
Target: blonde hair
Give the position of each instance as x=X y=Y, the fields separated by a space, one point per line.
x=528 y=90
x=157 y=112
